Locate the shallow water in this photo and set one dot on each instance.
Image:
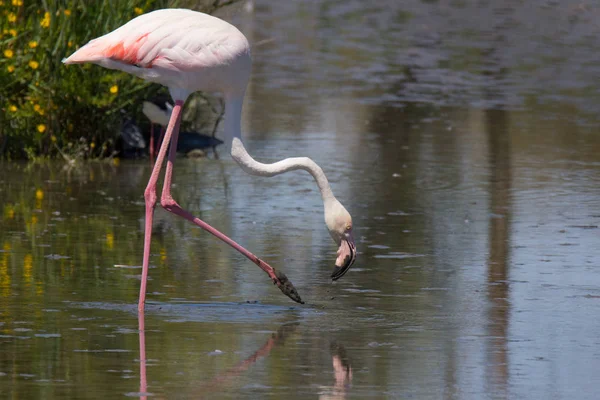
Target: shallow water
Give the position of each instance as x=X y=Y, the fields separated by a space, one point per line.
x=468 y=157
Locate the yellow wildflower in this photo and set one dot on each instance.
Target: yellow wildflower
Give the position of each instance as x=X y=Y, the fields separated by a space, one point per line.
x=12 y=108
x=9 y=212
x=114 y=89
x=67 y=12
x=10 y=68
x=41 y=128
x=41 y=112
x=8 y=53
x=13 y=32
x=17 y=2
x=92 y=145
x=12 y=17
x=53 y=138
x=39 y=194
x=45 y=22
x=36 y=107
x=69 y=43
x=33 y=44
x=110 y=240
x=138 y=11
x=34 y=64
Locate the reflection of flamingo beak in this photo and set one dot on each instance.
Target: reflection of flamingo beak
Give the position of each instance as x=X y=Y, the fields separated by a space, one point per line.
x=346 y=257
x=341 y=366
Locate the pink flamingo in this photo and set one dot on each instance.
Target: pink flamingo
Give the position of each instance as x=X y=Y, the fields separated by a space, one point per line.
x=188 y=51
x=157 y=116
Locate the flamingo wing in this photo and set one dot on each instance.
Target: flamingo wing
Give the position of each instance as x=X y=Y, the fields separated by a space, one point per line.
x=163 y=45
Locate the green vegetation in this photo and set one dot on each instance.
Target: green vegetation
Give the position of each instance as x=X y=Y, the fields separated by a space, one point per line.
x=49 y=109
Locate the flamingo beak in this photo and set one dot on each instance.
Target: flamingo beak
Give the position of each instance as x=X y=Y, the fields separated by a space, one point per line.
x=346 y=257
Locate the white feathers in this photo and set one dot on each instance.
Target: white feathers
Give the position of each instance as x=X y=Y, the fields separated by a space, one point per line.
x=181 y=49
x=156 y=114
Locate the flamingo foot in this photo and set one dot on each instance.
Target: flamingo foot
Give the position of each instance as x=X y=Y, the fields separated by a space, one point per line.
x=286 y=286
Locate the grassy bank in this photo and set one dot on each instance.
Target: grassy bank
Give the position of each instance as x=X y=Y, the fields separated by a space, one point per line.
x=48 y=108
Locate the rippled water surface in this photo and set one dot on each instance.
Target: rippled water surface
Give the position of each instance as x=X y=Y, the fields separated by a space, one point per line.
x=464 y=140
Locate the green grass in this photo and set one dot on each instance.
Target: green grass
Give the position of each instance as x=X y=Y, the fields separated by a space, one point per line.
x=49 y=109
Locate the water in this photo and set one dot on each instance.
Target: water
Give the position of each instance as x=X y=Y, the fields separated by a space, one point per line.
x=461 y=137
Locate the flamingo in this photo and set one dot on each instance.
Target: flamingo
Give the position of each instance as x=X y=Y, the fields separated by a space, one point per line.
x=157 y=116
x=133 y=141
x=188 y=142
x=188 y=51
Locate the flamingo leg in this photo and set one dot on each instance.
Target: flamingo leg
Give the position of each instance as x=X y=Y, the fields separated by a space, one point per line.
x=169 y=204
x=142 y=334
x=162 y=134
x=150 y=198
x=151 y=143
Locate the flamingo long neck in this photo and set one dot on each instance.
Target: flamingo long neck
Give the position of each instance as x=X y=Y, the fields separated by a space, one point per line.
x=233 y=116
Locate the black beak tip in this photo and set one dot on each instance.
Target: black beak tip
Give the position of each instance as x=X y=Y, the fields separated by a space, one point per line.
x=338 y=272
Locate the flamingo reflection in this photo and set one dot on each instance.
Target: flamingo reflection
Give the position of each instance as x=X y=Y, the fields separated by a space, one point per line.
x=276 y=339
x=142 y=334
x=342 y=373
x=342 y=370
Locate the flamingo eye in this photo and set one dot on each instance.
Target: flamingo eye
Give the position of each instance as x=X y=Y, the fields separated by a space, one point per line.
x=348 y=227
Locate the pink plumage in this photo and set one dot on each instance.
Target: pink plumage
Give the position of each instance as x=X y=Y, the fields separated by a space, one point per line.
x=181 y=49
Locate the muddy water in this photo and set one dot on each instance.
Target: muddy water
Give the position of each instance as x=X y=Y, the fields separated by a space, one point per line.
x=468 y=158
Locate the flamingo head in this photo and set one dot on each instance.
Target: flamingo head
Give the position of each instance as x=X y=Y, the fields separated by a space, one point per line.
x=339 y=224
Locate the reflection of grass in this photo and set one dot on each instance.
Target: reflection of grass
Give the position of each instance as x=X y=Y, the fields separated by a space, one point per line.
x=63 y=229
x=53 y=237
x=91 y=214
